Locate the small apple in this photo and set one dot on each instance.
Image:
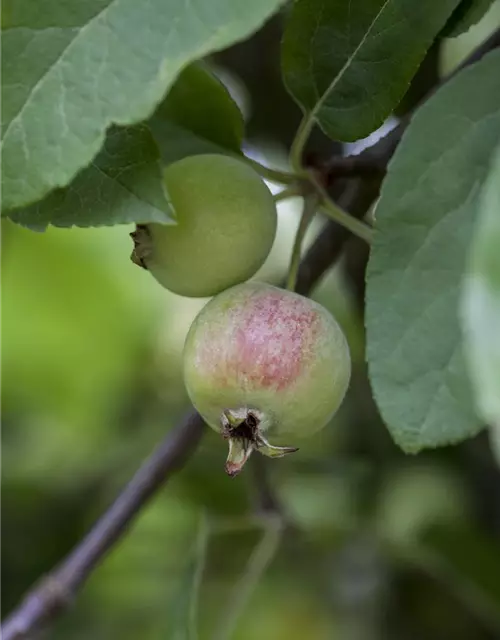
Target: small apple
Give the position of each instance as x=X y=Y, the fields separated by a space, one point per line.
x=226 y=224
x=262 y=361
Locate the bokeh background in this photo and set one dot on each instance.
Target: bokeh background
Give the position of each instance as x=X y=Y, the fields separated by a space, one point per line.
x=382 y=545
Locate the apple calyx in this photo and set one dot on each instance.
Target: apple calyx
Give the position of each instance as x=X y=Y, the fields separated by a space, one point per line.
x=143 y=245
x=242 y=428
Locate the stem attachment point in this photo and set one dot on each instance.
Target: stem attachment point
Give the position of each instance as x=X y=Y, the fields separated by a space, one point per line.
x=241 y=428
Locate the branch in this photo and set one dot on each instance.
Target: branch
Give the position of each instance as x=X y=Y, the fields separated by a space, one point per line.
x=358 y=166
x=56 y=591
x=310 y=205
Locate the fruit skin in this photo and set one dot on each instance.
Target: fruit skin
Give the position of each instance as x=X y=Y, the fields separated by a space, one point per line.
x=226 y=224
x=259 y=351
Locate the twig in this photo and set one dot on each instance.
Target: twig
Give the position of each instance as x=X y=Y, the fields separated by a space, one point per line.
x=355 y=226
x=308 y=211
x=328 y=246
x=358 y=166
x=273 y=175
x=336 y=213
x=292 y=191
x=56 y=591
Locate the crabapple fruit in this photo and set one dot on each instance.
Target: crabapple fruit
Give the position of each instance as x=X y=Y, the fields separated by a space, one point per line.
x=226 y=224
x=262 y=361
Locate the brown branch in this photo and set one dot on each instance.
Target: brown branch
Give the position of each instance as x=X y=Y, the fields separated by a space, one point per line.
x=55 y=592
x=357 y=166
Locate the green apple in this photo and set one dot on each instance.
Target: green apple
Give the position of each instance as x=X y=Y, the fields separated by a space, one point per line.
x=226 y=224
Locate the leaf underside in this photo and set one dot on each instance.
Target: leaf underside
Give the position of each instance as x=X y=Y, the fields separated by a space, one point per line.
x=122 y=185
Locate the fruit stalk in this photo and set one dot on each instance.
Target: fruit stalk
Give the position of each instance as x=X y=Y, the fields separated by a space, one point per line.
x=309 y=209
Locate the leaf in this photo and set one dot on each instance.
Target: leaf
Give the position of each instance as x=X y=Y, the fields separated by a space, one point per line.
x=197 y=116
x=467 y=14
x=348 y=64
x=424 y=221
x=481 y=301
x=123 y=184
x=71 y=69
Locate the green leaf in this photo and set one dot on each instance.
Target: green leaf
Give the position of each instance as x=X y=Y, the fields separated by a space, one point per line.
x=71 y=69
x=467 y=14
x=481 y=301
x=197 y=116
x=123 y=184
x=424 y=222
x=348 y=64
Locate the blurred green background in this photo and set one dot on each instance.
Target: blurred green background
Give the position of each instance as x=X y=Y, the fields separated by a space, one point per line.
x=383 y=545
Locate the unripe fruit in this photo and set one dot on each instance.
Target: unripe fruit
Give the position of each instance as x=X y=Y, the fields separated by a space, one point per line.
x=260 y=361
x=226 y=223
